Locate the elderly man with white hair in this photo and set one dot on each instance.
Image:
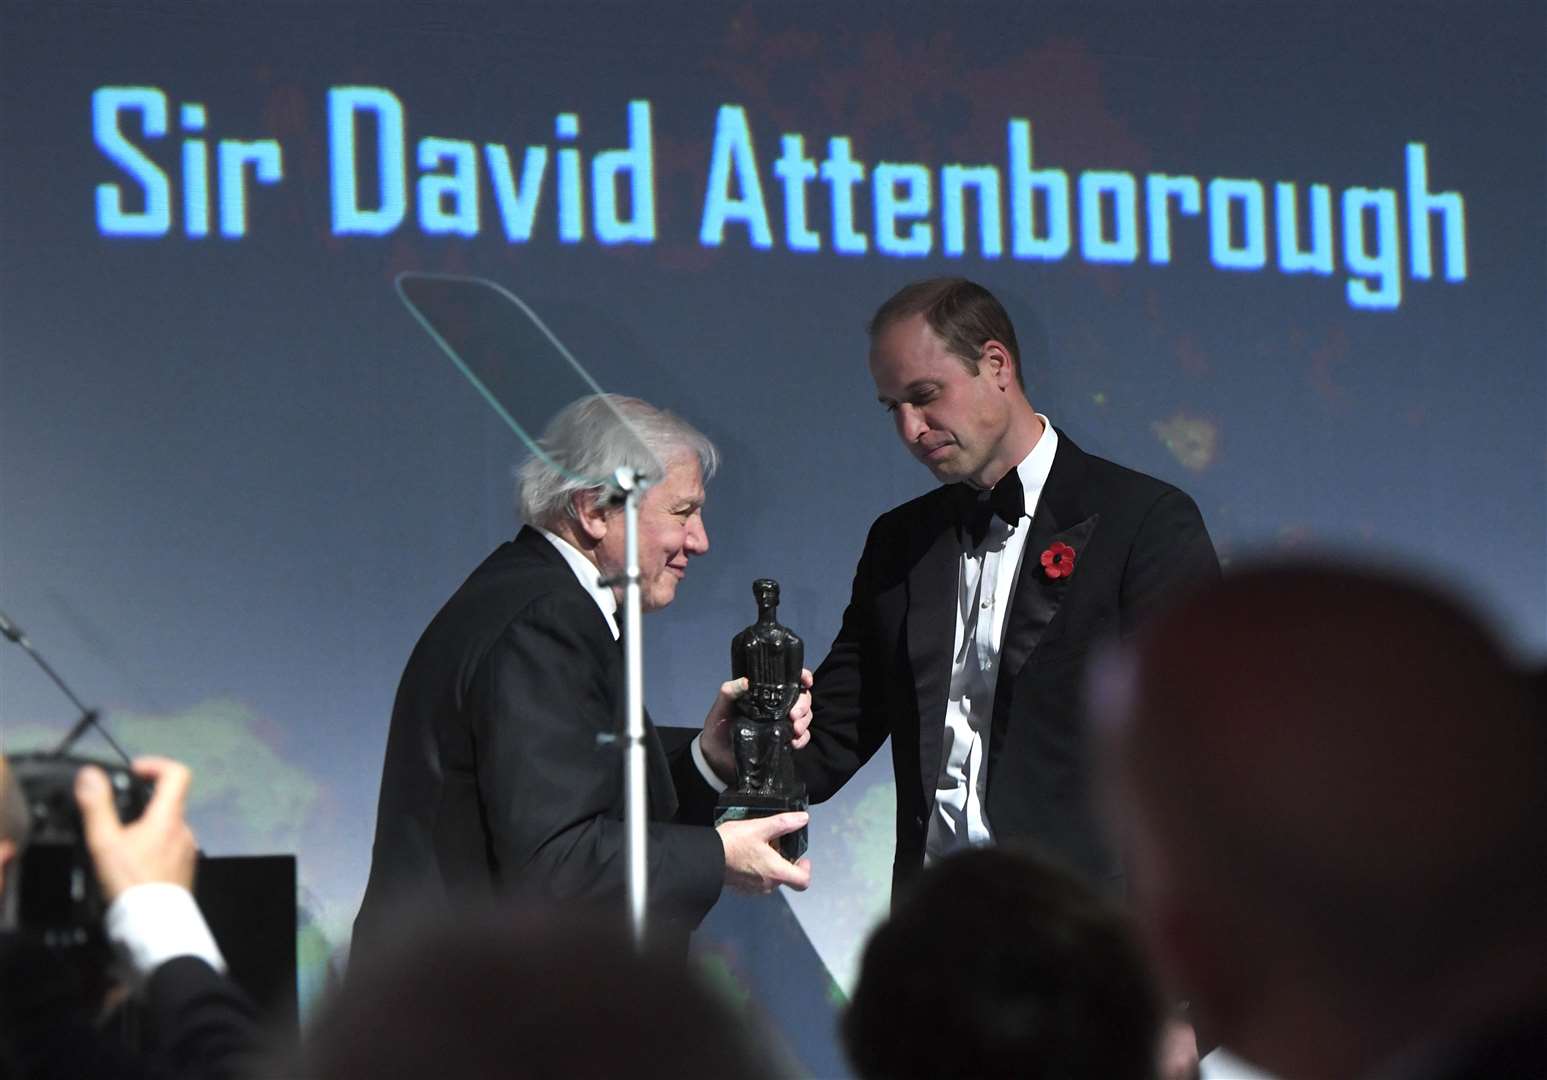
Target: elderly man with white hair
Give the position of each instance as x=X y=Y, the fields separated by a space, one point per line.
x=495 y=782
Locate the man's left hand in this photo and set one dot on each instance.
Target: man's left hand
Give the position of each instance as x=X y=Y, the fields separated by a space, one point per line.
x=716 y=740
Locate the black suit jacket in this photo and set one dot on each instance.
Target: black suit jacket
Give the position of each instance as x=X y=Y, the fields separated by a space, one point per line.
x=888 y=674
x=494 y=781
x=195 y=1023
x=1510 y=1044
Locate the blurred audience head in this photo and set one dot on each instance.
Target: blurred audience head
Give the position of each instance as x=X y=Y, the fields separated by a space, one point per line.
x=997 y=963
x=1328 y=784
x=529 y=993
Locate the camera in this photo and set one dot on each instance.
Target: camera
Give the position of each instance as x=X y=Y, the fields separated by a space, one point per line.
x=59 y=901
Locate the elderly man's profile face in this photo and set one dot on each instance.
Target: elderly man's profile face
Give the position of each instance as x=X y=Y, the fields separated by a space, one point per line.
x=671 y=531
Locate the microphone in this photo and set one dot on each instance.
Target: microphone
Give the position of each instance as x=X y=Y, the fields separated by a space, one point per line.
x=12 y=631
x=89 y=716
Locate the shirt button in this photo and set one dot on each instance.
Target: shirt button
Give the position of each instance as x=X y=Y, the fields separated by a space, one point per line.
x=986 y=604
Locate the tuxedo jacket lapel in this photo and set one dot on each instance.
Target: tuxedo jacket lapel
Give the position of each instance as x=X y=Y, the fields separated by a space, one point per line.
x=932 y=587
x=1038 y=597
x=932 y=583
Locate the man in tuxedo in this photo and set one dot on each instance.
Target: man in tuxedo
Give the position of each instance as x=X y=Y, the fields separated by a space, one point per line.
x=1330 y=785
x=497 y=779
x=974 y=606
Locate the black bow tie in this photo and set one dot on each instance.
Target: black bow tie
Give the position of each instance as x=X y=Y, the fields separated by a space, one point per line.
x=1007 y=500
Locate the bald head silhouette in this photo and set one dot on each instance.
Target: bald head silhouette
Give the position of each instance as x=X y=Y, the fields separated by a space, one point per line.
x=509 y=992
x=1329 y=783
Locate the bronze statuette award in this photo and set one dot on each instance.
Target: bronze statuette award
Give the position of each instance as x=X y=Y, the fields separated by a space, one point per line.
x=770 y=657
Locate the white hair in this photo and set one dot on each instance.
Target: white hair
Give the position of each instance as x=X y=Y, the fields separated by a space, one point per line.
x=591 y=439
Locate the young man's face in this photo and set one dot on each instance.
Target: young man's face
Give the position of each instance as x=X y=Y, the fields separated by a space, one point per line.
x=950 y=419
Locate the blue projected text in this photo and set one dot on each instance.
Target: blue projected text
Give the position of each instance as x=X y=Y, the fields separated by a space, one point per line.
x=170 y=175
x=117 y=111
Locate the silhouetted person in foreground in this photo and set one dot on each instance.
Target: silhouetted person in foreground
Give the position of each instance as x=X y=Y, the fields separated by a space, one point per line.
x=529 y=993
x=1332 y=789
x=996 y=964
x=54 y=1007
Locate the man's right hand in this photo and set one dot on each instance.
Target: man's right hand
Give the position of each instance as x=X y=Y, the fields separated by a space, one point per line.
x=715 y=743
x=752 y=863
x=158 y=846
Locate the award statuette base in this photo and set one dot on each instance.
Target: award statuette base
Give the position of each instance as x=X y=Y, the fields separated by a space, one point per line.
x=739 y=806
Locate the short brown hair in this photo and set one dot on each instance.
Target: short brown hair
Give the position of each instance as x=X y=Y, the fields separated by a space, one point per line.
x=962 y=312
x=1060 y=989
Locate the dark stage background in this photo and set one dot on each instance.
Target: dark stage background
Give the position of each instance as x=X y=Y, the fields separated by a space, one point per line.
x=1289 y=256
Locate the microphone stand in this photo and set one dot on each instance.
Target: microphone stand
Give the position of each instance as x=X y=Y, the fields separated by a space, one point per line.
x=89 y=717
x=633 y=485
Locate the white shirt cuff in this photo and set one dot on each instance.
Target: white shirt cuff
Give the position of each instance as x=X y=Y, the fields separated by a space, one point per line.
x=158 y=921
x=704 y=769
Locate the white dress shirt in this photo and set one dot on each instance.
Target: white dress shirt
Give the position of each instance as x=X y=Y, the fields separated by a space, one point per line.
x=590 y=578
x=153 y=922
x=986 y=580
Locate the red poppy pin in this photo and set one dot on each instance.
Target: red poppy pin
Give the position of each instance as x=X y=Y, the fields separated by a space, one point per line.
x=1058 y=560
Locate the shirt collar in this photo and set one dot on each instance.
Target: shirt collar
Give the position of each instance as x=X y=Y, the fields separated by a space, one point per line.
x=1036 y=465
x=589 y=576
